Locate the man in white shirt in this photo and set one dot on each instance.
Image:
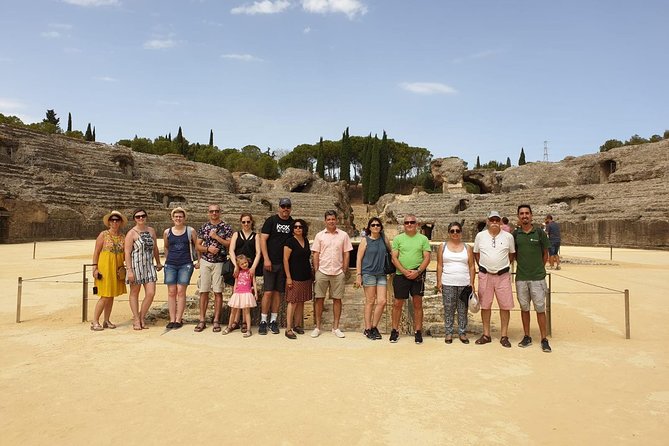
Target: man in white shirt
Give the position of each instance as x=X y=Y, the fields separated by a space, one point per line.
x=494 y=251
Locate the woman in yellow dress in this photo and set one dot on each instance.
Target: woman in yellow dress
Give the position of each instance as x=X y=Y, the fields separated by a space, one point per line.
x=108 y=257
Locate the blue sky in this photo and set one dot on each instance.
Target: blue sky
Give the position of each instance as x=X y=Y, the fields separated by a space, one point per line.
x=462 y=78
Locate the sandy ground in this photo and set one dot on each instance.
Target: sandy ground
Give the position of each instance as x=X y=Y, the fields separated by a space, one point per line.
x=63 y=384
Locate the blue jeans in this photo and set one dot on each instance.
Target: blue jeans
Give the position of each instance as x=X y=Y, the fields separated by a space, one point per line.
x=178 y=275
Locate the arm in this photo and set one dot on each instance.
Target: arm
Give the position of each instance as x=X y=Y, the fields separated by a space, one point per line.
x=545 y=256
x=472 y=266
x=286 y=267
x=127 y=250
x=233 y=255
x=194 y=244
x=440 y=266
x=96 y=253
x=316 y=259
x=358 y=268
x=424 y=264
x=156 y=253
x=267 y=263
x=347 y=262
x=256 y=260
x=166 y=245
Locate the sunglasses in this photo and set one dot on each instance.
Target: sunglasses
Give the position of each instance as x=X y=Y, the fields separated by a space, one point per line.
x=114 y=220
x=285 y=206
x=214 y=211
x=246 y=222
x=138 y=216
x=495 y=220
x=455 y=231
x=412 y=222
x=375 y=225
x=298 y=227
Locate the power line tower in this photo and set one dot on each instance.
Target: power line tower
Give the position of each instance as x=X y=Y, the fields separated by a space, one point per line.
x=545 y=150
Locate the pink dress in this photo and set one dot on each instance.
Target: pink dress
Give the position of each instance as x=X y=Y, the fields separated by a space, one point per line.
x=243 y=296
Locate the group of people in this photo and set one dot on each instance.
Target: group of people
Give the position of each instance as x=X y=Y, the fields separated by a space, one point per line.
x=290 y=265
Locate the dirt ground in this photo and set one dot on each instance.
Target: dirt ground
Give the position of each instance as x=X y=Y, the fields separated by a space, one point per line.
x=64 y=384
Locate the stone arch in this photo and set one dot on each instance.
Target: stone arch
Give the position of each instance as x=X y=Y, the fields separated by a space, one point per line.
x=125 y=164
x=4 y=225
x=303 y=187
x=606 y=168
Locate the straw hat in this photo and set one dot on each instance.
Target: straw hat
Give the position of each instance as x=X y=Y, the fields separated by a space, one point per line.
x=178 y=209
x=124 y=219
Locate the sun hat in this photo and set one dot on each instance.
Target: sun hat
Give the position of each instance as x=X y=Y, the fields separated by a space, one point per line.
x=178 y=209
x=124 y=219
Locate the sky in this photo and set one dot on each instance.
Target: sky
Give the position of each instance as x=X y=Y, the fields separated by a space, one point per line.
x=459 y=78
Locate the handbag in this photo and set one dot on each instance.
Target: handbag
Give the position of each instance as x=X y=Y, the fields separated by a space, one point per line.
x=121 y=273
x=388 y=267
x=191 y=244
x=474 y=305
x=227 y=272
x=465 y=293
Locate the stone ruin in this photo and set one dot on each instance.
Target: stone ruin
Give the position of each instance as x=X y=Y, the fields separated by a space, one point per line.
x=617 y=198
x=53 y=187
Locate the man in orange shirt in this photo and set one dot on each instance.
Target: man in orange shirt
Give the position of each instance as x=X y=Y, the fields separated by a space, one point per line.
x=332 y=248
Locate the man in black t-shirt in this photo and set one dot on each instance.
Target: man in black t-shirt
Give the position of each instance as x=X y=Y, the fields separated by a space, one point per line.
x=275 y=232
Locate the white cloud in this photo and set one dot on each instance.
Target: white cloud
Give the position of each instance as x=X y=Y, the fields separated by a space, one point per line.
x=10 y=104
x=106 y=79
x=92 y=2
x=349 y=7
x=51 y=34
x=428 y=88
x=159 y=44
x=307 y=30
x=242 y=57
x=262 y=7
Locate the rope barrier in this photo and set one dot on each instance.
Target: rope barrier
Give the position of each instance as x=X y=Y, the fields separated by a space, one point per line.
x=48 y=277
x=588 y=283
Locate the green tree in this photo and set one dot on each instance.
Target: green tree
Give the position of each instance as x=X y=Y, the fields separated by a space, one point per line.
x=521 y=159
x=89 y=133
x=366 y=168
x=345 y=159
x=655 y=138
x=211 y=138
x=375 y=172
x=181 y=144
x=320 y=160
x=665 y=135
x=478 y=162
x=610 y=144
x=51 y=118
x=384 y=167
x=93 y=133
x=635 y=140
x=11 y=120
x=508 y=162
x=69 y=122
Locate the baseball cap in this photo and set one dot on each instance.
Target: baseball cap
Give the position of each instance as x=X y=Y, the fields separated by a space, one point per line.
x=285 y=202
x=494 y=214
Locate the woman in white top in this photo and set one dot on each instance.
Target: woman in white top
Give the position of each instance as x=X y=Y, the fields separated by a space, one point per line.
x=455 y=271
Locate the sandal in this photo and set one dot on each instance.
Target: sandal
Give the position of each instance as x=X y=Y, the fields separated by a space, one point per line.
x=95 y=326
x=217 y=327
x=144 y=327
x=483 y=340
x=200 y=327
x=226 y=330
x=108 y=324
x=449 y=339
x=464 y=339
x=244 y=327
x=234 y=326
x=247 y=333
x=136 y=325
x=298 y=330
x=290 y=334
x=505 y=342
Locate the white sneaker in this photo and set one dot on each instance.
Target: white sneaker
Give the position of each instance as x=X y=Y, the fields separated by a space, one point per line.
x=338 y=333
x=316 y=333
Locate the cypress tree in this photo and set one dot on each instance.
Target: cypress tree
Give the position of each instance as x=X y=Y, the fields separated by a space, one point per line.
x=384 y=166
x=375 y=171
x=366 y=166
x=89 y=134
x=69 y=122
x=180 y=144
x=93 y=133
x=211 y=138
x=345 y=158
x=508 y=162
x=169 y=136
x=521 y=160
x=478 y=162
x=320 y=160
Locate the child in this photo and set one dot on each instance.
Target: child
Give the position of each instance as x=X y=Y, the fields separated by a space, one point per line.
x=244 y=295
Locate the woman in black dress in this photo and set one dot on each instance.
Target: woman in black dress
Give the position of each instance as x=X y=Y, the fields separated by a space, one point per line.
x=299 y=277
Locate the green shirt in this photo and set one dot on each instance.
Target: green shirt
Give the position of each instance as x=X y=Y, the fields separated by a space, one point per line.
x=530 y=248
x=410 y=249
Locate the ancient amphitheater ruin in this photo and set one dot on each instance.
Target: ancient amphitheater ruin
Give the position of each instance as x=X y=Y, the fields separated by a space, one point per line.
x=53 y=187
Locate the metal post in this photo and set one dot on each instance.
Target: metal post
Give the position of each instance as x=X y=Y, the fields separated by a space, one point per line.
x=549 y=317
x=627 y=314
x=611 y=252
x=84 y=297
x=34 y=249
x=18 y=300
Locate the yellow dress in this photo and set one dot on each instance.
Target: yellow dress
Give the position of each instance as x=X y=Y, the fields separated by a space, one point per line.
x=111 y=257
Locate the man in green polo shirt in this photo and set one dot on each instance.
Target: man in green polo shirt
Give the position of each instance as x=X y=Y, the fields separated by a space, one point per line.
x=531 y=254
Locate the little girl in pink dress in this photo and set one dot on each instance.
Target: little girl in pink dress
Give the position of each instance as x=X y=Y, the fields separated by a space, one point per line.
x=244 y=295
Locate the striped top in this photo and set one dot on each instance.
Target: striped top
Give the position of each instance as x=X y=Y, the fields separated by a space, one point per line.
x=142 y=259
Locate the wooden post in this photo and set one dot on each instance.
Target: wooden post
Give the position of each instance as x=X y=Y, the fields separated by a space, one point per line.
x=18 y=300
x=34 y=249
x=84 y=296
x=549 y=322
x=627 y=314
x=611 y=252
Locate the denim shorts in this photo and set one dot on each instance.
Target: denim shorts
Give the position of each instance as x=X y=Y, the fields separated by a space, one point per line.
x=374 y=280
x=178 y=275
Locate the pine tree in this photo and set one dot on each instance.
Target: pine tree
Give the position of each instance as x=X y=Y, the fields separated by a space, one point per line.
x=478 y=163
x=69 y=122
x=521 y=160
x=345 y=158
x=508 y=162
x=211 y=138
x=89 y=134
x=375 y=171
x=320 y=160
x=384 y=166
x=52 y=119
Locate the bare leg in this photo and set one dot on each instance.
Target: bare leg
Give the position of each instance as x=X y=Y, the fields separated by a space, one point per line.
x=247 y=319
x=204 y=304
x=133 y=297
x=380 y=305
x=504 y=316
x=418 y=312
x=266 y=302
x=397 y=312
x=525 y=317
x=336 y=307
x=181 y=302
x=289 y=316
x=149 y=293
x=276 y=300
x=541 y=321
x=318 y=311
x=485 y=318
x=99 y=307
x=172 y=302
x=109 y=304
x=218 y=305
x=370 y=297
x=299 y=314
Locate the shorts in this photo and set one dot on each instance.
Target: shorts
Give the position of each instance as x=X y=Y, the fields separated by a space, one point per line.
x=554 y=249
x=405 y=288
x=274 y=280
x=374 y=280
x=500 y=286
x=210 y=277
x=334 y=283
x=532 y=290
x=178 y=275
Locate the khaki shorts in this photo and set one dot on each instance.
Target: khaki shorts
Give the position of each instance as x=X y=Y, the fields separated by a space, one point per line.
x=335 y=283
x=211 y=278
x=532 y=290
